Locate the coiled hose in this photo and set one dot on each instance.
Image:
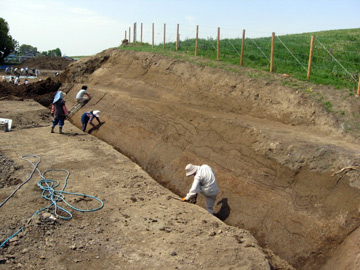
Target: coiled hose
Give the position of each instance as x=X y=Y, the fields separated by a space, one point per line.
x=51 y=194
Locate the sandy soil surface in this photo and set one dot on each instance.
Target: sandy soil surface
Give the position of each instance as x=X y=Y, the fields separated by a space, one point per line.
x=287 y=168
x=139 y=227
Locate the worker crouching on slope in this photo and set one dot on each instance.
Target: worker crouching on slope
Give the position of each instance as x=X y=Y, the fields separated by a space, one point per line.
x=59 y=111
x=83 y=96
x=88 y=117
x=204 y=183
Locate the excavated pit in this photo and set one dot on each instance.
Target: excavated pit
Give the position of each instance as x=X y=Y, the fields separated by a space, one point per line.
x=274 y=150
x=276 y=153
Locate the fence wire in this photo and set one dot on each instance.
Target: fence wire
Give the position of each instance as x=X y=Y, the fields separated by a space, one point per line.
x=336 y=60
x=256 y=50
x=297 y=60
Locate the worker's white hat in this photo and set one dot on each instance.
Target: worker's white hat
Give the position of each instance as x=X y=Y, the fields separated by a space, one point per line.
x=190 y=169
x=96 y=113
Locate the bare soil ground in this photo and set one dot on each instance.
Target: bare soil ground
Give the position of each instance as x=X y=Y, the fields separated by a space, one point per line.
x=287 y=169
x=139 y=227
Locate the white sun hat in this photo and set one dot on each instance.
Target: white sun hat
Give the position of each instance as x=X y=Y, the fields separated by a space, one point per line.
x=190 y=169
x=96 y=113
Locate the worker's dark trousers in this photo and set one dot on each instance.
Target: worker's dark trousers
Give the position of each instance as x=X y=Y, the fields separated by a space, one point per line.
x=84 y=121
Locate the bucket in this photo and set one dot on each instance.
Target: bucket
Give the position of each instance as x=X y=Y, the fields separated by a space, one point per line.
x=5 y=124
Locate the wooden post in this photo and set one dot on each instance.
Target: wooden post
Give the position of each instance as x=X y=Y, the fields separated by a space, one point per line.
x=177 y=37
x=129 y=34
x=153 y=35
x=164 y=34
x=242 y=49
x=134 y=34
x=125 y=34
x=272 y=52
x=141 y=35
x=358 y=90
x=310 y=57
x=218 y=45
x=196 y=40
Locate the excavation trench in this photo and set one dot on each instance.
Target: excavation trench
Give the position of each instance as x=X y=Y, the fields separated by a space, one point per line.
x=274 y=151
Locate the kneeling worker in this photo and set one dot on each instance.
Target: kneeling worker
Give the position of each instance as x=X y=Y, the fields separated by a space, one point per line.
x=88 y=117
x=204 y=183
x=83 y=95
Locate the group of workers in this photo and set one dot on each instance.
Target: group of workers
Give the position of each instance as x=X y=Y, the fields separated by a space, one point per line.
x=59 y=110
x=14 y=80
x=17 y=72
x=22 y=71
x=204 y=177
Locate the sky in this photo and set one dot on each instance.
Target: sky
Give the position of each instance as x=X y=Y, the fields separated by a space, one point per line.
x=86 y=27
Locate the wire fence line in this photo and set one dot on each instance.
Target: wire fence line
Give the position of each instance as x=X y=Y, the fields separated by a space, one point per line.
x=334 y=53
x=351 y=75
x=259 y=48
x=297 y=60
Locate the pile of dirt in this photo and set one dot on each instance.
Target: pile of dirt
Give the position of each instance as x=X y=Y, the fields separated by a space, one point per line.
x=41 y=91
x=47 y=63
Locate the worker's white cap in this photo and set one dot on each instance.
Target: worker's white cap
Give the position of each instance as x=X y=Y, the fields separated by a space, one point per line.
x=96 y=113
x=190 y=169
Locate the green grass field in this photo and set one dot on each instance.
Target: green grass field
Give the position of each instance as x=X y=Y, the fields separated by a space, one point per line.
x=336 y=55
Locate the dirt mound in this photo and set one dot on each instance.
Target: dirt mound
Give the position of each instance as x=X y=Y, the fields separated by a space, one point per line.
x=41 y=91
x=47 y=62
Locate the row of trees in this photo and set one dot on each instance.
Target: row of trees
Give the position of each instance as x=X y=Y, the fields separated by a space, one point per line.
x=28 y=49
x=8 y=45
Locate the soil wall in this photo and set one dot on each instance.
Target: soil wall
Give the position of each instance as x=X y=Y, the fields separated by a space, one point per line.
x=275 y=152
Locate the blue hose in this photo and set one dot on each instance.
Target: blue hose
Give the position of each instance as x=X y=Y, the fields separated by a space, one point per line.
x=49 y=193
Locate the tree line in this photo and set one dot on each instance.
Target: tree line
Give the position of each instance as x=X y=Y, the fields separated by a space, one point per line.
x=28 y=49
x=8 y=45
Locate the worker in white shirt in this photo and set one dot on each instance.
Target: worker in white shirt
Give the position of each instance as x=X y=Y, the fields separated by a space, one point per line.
x=83 y=95
x=204 y=183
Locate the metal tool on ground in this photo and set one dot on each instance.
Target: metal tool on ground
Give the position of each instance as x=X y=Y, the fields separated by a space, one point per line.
x=191 y=200
x=171 y=197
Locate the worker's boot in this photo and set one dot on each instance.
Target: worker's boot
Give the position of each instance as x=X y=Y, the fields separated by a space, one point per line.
x=60 y=130
x=52 y=129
